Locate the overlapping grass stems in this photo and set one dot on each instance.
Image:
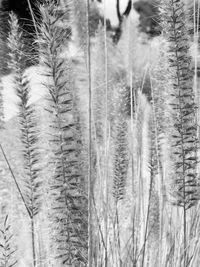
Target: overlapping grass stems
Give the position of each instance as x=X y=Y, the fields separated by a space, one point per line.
x=28 y=127
x=69 y=204
x=148 y=238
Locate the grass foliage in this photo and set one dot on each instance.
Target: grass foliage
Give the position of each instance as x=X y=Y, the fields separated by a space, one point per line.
x=6 y=245
x=117 y=182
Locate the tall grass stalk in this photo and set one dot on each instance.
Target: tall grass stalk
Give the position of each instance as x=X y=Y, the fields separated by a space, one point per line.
x=157 y=169
x=106 y=147
x=184 y=142
x=132 y=108
x=69 y=212
x=90 y=193
x=28 y=127
x=152 y=177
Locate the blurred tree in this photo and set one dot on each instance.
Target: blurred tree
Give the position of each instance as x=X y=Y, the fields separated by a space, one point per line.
x=149 y=17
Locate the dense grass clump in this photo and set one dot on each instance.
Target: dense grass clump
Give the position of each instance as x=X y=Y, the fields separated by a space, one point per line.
x=105 y=165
